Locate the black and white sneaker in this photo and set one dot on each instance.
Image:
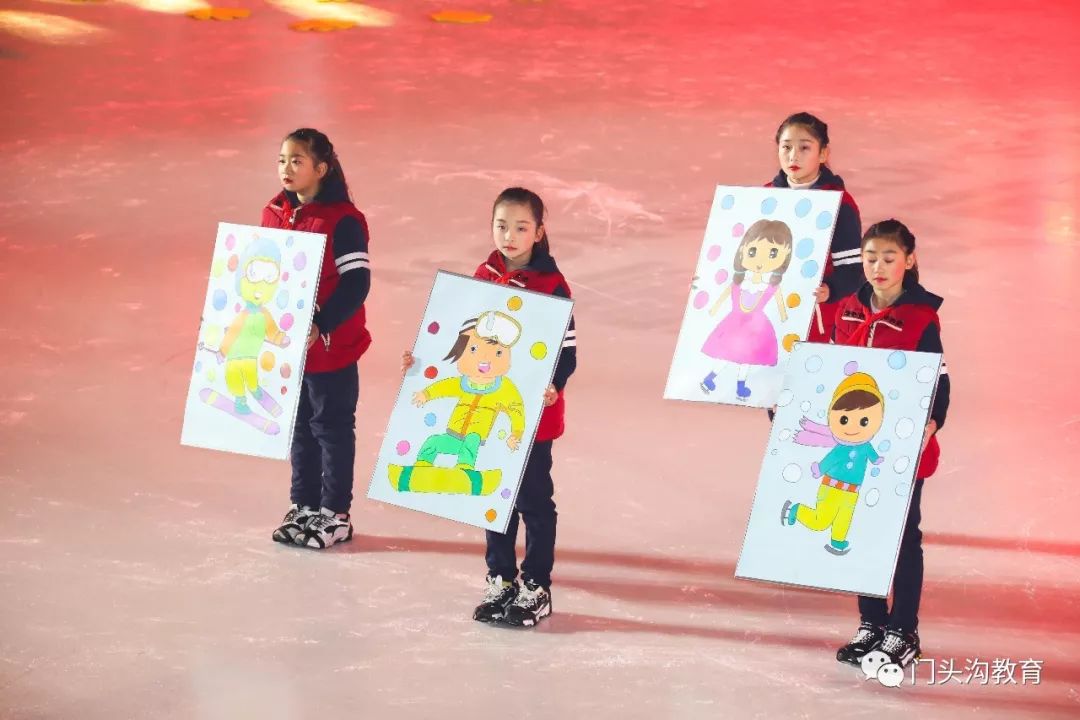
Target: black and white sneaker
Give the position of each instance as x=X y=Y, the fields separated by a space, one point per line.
x=497 y=595
x=532 y=604
x=867 y=638
x=326 y=528
x=294 y=523
x=901 y=648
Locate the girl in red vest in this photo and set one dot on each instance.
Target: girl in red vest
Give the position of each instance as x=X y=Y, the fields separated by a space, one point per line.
x=522 y=258
x=315 y=198
x=802 y=144
x=892 y=310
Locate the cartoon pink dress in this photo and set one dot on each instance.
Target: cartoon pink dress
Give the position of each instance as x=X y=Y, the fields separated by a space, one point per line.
x=745 y=336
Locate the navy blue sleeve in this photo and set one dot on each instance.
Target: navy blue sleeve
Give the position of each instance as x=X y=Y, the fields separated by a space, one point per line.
x=846 y=254
x=567 y=362
x=351 y=259
x=931 y=342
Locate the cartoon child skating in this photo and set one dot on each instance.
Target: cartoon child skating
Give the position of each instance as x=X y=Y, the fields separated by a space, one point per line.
x=746 y=335
x=257 y=278
x=855 y=416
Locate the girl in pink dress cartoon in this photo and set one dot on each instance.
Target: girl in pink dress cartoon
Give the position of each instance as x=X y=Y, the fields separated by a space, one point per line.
x=745 y=335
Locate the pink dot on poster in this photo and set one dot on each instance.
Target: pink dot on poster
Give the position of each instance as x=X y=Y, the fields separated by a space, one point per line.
x=433 y=328
x=431 y=372
x=236 y=307
x=300 y=261
x=286 y=370
x=402 y=447
x=701 y=299
x=286 y=321
x=738 y=230
x=714 y=252
x=851 y=367
x=230 y=242
x=506 y=493
x=233 y=263
x=721 y=277
x=285 y=276
x=283 y=390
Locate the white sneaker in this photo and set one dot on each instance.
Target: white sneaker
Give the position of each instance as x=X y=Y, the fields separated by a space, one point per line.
x=326 y=528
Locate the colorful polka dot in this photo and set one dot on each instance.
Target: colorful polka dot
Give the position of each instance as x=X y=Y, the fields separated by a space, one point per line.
x=538 y=350
x=727 y=202
x=768 y=205
x=402 y=447
x=431 y=372
x=789 y=341
x=802 y=208
x=714 y=252
x=721 y=277
x=490 y=515
x=738 y=230
x=701 y=299
x=433 y=328
x=267 y=361
x=793 y=300
x=514 y=303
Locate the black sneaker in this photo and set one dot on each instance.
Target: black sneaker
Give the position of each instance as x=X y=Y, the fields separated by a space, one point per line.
x=294 y=523
x=497 y=595
x=866 y=639
x=532 y=604
x=902 y=648
x=326 y=528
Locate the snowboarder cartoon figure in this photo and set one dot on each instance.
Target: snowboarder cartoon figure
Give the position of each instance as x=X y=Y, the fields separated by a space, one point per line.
x=746 y=336
x=482 y=391
x=257 y=277
x=855 y=416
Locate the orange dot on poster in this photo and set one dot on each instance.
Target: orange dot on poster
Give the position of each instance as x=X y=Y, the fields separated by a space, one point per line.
x=461 y=17
x=789 y=341
x=267 y=361
x=490 y=515
x=514 y=303
x=233 y=263
x=793 y=300
x=431 y=372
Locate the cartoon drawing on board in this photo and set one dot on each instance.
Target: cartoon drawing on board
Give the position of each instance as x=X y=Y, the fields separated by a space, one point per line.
x=746 y=335
x=257 y=277
x=855 y=415
x=483 y=391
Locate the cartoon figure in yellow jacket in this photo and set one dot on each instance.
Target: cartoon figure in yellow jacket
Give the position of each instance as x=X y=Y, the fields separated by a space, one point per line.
x=482 y=353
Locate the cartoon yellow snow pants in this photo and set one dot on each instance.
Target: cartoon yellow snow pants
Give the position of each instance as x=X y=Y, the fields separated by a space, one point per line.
x=835 y=507
x=241 y=376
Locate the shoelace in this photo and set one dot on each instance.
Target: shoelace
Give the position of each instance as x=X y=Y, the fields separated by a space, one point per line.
x=495 y=589
x=892 y=643
x=862 y=635
x=321 y=522
x=527 y=597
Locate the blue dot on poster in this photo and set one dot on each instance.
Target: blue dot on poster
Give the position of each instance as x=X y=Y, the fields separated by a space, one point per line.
x=894 y=394
x=198 y=366
x=875 y=472
x=824 y=220
x=283 y=299
x=300 y=304
x=804 y=248
x=768 y=205
x=727 y=202
x=809 y=268
x=429 y=419
x=821 y=388
x=289 y=241
x=897 y=360
x=885 y=445
x=802 y=208
x=220 y=299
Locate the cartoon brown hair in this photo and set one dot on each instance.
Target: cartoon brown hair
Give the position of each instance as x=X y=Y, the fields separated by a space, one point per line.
x=856 y=400
x=774 y=231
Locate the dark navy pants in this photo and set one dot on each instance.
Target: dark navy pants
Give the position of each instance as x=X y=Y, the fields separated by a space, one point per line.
x=536 y=507
x=324 y=442
x=908 y=580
